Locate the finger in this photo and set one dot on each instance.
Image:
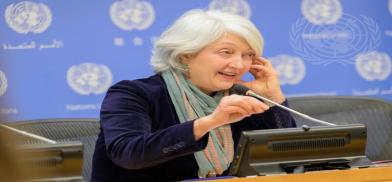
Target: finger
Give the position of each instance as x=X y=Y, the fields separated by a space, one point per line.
x=238 y=101
x=237 y=110
x=258 y=105
x=262 y=107
x=263 y=61
x=259 y=67
x=255 y=69
x=259 y=71
x=262 y=69
x=250 y=104
x=247 y=105
x=258 y=60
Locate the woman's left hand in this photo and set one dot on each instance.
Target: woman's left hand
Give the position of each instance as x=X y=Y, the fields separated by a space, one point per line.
x=266 y=82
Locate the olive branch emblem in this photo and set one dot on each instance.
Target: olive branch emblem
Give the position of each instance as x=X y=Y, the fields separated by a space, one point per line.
x=369 y=38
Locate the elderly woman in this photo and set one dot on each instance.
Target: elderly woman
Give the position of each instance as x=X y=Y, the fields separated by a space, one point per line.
x=181 y=123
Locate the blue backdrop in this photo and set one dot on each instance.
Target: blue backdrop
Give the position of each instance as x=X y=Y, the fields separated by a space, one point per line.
x=58 y=57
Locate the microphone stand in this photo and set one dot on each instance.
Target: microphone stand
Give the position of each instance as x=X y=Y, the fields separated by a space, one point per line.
x=252 y=94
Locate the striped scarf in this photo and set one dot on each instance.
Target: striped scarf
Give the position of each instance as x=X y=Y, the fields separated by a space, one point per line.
x=191 y=103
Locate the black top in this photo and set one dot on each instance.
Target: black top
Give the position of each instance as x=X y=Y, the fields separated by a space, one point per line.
x=141 y=138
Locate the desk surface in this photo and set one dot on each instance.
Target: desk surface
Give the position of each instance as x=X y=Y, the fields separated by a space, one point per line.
x=379 y=174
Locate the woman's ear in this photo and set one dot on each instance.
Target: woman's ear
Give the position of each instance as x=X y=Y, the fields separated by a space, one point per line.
x=185 y=58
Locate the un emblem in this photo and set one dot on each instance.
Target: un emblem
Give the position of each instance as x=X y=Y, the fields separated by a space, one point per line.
x=239 y=7
x=373 y=66
x=27 y=16
x=337 y=43
x=291 y=69
x=321 y=12
x=3 y=83
x=132 y=14
x=88 y=78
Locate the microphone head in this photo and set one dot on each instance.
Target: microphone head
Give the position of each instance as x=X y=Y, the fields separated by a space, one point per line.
x=239 y=89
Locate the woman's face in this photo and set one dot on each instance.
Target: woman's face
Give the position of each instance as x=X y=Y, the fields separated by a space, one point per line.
x=220 y=64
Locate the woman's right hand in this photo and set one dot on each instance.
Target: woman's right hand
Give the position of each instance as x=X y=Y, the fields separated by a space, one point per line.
x=230 y=109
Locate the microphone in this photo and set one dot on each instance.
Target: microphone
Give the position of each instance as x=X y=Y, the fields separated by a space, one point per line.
x=31 y=135
x=242 y=90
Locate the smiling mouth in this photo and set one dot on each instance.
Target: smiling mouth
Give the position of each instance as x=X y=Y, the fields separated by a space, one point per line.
x=231 y=75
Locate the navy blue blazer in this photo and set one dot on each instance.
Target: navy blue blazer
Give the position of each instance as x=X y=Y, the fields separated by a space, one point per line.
x=141 y=138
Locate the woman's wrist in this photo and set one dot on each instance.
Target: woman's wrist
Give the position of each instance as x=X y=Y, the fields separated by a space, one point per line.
x=202 y=125
x=279 y=97
x=276 y=96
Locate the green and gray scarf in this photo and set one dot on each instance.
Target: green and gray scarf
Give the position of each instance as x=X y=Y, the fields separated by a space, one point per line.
x=191 y=103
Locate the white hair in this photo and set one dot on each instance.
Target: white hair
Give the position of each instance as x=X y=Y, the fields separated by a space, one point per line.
x=196 y=29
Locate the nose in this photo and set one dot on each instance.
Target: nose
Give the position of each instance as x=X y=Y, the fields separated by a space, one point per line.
x=237 y=62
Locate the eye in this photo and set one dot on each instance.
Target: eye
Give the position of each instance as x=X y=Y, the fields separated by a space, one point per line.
x=226 y=52
x=249 y=56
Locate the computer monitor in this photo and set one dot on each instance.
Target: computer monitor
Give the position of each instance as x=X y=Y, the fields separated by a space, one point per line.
x=292 y=150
